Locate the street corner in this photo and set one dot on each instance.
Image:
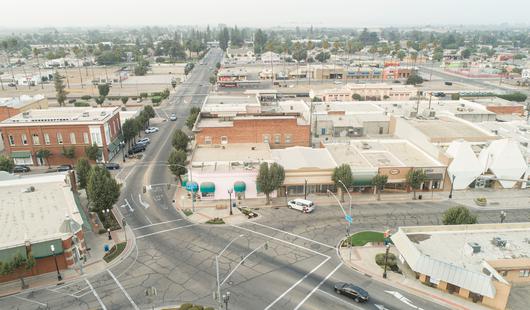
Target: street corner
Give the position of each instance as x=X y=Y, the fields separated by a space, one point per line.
x=218 y=215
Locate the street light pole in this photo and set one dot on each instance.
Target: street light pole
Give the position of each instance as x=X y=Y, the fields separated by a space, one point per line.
x=452 y=184
x=59 y=277
x=217 y=266
x=230 y=191
x=503 y=216
x=349 y=223
x=226 y=299
x=386 y=260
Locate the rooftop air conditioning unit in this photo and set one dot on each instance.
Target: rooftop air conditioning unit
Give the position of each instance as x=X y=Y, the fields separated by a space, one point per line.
x=25 y=114
x=475 y=246
x=499 y=242
x=86 y=114
x=103 y=113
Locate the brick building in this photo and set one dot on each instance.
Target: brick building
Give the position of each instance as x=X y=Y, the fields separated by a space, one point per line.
x=55 y=129
x=48 y=208
x=230 y=119
x=12 y=106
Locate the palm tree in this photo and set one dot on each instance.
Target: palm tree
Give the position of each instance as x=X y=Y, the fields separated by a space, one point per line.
x=36 y=54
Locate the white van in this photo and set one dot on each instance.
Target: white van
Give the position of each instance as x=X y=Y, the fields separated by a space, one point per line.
x=303 y=205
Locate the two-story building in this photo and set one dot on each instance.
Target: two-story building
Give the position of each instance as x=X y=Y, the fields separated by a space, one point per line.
x=56 y=129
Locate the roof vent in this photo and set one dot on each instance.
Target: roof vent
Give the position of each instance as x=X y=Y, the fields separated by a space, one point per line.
x=86 y=114
x=253 y=148
x=499 y=242
x=30 y=189
x=366 y=146
x=103 y=113
x=25 y=114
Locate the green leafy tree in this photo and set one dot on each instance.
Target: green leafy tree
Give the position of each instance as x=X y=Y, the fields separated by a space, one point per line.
x=68 y=152
x=414 y=180
x=190 y=121
x=124 y=99
x=401 y=55
x=129 y=130
x=518 y=97
x=378 y=182
x=180 y=140
x=102 y=189
x=60 y=91
x=414 y=79
x=19 y=266
x=455 y=96
x=223 y=38
x=103 y=89
x=99 y=100
x=466 y=53
x=177 y=162
x=342 y=173
x=149 y=111
x=458 y=216
x=357 y=97
x=92 y=152
x=322 y=56
x=213 y=79
x=46 y=154
x=82 y=169
x=269 y=178
x=6 y=164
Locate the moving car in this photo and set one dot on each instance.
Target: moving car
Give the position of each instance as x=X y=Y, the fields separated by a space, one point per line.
x=136 y=149
x=151 y=130
x=112 y=166
x=21 y=168
x=144 y=141
x=352 y=291
x=303 y=205
x=63 y=168
x=173 y=117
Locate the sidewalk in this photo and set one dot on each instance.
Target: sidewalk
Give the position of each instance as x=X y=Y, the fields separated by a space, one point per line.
x=363 y=260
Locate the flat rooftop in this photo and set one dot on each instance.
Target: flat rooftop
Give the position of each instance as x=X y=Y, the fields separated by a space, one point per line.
x=56 y=116
x=348 y=107
x=35 y=216
x=18 y=102
x=300 y=157
x=373 y=154
x=455 y=240
x=446 y=128
x=240 y=152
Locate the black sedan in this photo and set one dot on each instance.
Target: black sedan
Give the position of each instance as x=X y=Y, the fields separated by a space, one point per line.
x=352 y=291
x=112 y=166
x=21 y=168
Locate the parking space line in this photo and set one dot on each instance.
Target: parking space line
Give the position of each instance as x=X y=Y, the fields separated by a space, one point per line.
x=280 y=240
x=163 y=231
x=318 y=286
x=32 y=301
x=297 y=283
x=96 y=294
x=155 y=224
x=123 y=290
x=295 y=235
x=339 y=299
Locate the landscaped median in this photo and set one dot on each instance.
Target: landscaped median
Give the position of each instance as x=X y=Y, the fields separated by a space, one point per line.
x=363 y=237
x=114 y=252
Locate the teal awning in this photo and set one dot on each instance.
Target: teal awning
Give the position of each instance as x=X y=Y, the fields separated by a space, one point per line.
x=115 y=145
x=21 y=154
x=207 y=187
x=40 y=250
x=240 y=187
x=192 y=186
x=183 y=180
x=363 y=179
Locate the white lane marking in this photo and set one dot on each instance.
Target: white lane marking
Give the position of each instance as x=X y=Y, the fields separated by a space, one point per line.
x=280 y=240
x=32 y=301
x=403 y=299
x=241 y=262
x=148 y=220
x=96 y=294
x=128 y=205
x=146 y=205
x=155 y=224
x=128 y=174
x=163 y=231
x=317 y=287
x=123 y=290
x=297 y=283
x=340 y=299
x=295 y=235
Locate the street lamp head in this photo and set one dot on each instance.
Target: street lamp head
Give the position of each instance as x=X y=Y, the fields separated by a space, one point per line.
x=388 y=245
x=228 y=294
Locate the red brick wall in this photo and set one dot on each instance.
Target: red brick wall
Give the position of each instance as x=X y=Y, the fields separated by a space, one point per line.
x=42 y=265
x=252 y=131
x=6 y=113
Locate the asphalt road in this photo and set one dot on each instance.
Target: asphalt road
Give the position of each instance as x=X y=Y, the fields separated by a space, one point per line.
x=285 y=260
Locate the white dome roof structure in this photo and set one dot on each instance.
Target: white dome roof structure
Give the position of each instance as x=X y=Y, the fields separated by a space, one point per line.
x=504 y=159
x=465 y=166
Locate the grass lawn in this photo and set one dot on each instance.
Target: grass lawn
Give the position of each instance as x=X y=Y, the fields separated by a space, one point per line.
x=363 y=237
x=114 y=252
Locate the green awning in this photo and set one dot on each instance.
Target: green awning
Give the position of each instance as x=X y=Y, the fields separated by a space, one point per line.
x=207 y=187
x=240 y=187
x=21 y=154
x=183 y=180
x=363 y=179
x=115 y=145
x=7 y=255
x=40 y=250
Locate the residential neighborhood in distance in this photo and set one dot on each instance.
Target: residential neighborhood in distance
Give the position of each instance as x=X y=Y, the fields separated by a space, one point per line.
x=200 y=156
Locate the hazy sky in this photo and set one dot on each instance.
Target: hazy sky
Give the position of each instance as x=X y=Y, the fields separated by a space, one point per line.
x=347 y=13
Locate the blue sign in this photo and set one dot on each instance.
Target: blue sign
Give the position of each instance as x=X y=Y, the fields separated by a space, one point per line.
x=348 y=219
x=106 y=248
x=192 y=186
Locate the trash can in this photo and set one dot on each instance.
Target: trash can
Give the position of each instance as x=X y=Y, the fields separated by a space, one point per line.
x=420 y=196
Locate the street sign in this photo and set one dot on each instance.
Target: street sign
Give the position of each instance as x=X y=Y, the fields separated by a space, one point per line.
x=348 y=219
